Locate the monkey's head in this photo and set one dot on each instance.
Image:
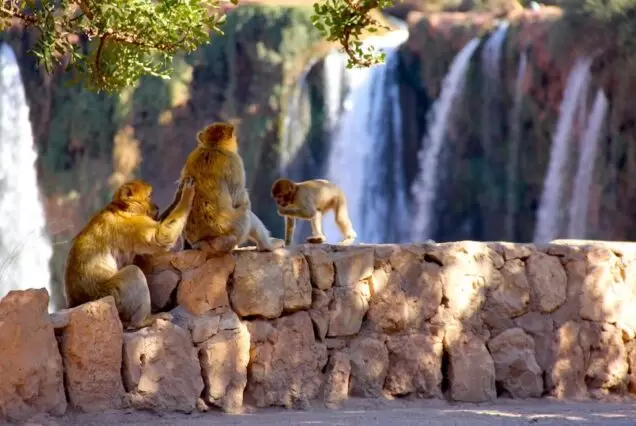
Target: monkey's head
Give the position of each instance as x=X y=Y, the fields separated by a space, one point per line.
x=135 y=197
x=284 y=192
x=220 y=135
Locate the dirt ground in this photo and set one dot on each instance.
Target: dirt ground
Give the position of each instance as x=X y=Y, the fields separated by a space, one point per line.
x=383 y=413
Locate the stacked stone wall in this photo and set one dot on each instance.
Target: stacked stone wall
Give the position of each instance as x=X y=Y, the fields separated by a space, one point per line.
x=467 y=321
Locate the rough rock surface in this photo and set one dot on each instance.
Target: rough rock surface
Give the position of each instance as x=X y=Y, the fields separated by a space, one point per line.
x=353 y=266
x=161 y=369
x=567 y=375
x=338 y=378
x=286 y=361
x=31 y=379
x=321 y=267
x=548 y=281
x=471 y=368
x=347 y=309
x=515 y=365
x=224 y=359
x=297 y=282
x=258 y=288
x=205 y=288
x=369 y=366
x=415 y=365
x=91 y=347
x=162 y=285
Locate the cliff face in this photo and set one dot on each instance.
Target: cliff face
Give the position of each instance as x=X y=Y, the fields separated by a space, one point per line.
x=475 y=193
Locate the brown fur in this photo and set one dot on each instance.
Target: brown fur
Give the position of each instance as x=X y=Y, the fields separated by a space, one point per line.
x=309 y=200
x=99 y=262
x=221 y=218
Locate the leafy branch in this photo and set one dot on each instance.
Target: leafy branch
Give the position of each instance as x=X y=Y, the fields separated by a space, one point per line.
x=344 y=21
x=113 y=43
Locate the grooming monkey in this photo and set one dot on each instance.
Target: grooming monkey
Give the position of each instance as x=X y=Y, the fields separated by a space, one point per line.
x=309 y=200
x=99 y=262
x=221 y=218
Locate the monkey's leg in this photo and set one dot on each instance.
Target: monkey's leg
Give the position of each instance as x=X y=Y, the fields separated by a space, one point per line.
x=317 y=237
x=133 y=297
x=260 y=235
x=344 y=224
x=290 y=227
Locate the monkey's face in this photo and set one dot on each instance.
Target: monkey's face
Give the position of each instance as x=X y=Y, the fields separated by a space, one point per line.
x=136 y=197
x=284 y=192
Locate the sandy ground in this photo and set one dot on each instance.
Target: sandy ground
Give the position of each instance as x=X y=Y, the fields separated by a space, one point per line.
x=384 y=413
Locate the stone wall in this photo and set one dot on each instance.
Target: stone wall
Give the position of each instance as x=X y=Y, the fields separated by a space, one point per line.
x=467 y=321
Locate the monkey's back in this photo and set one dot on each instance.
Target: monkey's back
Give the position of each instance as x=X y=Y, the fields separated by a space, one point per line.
x=219 y=177
x=325 y=194
x=90 y=261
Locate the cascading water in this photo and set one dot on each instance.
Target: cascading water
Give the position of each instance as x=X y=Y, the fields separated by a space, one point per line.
x=491 y=63
x=577 y=226
x=513 y=154
x=359 y=141
x=425 y=185
x=25 y=248
x=550 y=209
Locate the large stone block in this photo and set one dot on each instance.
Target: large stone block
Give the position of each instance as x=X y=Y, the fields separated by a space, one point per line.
x=286 y=361
x=31 y=378
x=91 y=347
x=161 y=368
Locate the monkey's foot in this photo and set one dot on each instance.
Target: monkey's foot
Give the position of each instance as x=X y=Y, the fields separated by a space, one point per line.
x=277 y=243
x=217 y=245
x=347 y=241
x=316 y=239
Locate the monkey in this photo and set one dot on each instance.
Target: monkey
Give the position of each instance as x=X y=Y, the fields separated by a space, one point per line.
x=309 y=200
x=221 y=217
x=99 y=263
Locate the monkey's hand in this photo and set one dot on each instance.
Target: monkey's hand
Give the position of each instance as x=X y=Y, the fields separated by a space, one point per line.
x=188 y=190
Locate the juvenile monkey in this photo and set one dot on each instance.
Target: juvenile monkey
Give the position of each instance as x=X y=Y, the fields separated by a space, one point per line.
x=99 y=262
x=221 y=218
x=309 y=200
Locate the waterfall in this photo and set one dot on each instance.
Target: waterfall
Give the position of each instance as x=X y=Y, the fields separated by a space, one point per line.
x=25 y=248
x=587 y=156
x=512 y=164
x=425 y=185
x=491 y=63
x=359 y=142
x=550 y=210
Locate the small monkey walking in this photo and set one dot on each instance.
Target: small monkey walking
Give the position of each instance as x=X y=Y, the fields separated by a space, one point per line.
x=99 y=263
x=309 y=200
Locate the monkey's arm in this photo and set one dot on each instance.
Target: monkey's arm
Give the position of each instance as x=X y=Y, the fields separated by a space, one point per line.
x=153 y=236
x=175 y=201
x=290 y=226
x=299 y=212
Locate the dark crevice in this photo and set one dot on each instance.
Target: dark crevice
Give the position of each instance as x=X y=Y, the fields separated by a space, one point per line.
x=432 y=259
x=445 y=372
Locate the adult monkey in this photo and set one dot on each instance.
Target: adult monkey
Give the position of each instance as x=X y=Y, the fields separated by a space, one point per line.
x=221 y=217
x=99 y=262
